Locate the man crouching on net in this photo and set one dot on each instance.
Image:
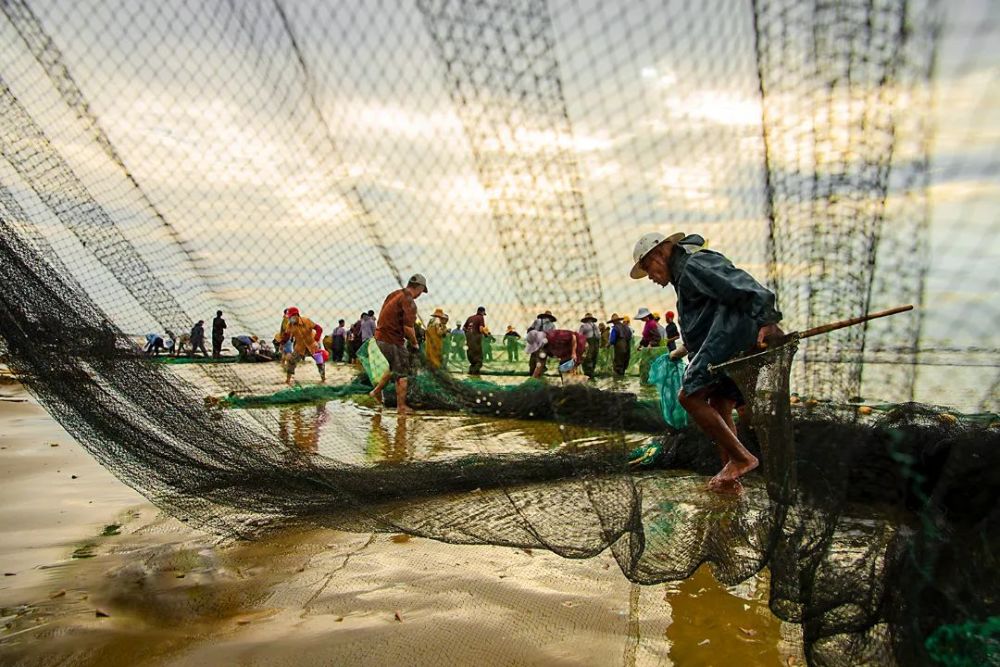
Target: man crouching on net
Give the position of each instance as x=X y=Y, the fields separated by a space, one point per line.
x=396 y=327
x=723 y=311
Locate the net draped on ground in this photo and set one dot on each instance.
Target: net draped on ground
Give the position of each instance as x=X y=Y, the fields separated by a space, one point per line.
x=166 y=160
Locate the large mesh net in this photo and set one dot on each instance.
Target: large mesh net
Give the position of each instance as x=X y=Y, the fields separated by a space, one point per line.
x=165 y=160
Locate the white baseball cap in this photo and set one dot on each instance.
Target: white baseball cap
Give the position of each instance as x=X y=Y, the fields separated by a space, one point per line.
x=645 y=245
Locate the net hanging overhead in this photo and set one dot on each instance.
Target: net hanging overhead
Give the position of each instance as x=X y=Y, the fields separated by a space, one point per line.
x=162 y=161
x=256 y=155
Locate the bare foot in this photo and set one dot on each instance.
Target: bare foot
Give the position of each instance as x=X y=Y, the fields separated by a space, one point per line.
x=403 y=409
x=736 y=469
x=731 y=487
x=377 y=395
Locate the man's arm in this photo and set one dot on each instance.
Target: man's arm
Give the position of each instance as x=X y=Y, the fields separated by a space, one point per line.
x=411 y=336
x=410 y=322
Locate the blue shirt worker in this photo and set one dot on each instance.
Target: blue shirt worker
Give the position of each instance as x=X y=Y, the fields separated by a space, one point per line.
x=620 y=341
x=723 y=312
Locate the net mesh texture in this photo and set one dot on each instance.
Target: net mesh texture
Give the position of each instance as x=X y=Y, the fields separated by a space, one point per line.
x=162 y=161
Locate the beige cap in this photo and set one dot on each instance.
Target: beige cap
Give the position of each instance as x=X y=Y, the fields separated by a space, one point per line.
x=418 y=279
x=645 y=245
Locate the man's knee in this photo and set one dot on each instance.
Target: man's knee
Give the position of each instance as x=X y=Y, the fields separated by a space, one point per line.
x=722 y=404
x=684 y=399
x=689 y=401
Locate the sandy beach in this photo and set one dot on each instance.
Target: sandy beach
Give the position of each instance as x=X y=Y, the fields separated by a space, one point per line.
x=96 y=575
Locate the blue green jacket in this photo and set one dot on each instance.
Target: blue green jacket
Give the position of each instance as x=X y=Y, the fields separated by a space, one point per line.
x=721 y=309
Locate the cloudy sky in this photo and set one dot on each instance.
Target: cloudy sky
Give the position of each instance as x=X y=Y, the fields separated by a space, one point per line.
x=309 y=152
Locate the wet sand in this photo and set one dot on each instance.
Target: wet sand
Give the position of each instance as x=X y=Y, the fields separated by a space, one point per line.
x=98 y=576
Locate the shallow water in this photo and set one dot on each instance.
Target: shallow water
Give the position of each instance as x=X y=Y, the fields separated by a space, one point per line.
x=174 y=595
x=357 y=431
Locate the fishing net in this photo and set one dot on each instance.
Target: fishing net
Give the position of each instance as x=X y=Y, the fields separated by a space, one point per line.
x=162 y=161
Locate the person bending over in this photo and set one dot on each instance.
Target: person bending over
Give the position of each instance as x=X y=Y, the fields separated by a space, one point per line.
x=562 y=344
x=723 y=312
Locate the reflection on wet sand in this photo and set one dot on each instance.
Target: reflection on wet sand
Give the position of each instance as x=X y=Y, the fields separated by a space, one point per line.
x=299 y=428
x=346 y=432
x=394 y=448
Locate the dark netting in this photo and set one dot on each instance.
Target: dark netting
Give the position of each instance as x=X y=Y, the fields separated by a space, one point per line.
x=165 y=160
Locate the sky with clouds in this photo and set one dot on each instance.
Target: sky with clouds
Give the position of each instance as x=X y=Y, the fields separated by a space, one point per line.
x=306 y=152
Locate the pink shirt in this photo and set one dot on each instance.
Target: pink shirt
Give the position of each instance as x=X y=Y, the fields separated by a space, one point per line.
x=650 y=334
x=560 y=344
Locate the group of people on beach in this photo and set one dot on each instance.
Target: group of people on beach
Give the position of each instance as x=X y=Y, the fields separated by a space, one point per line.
x=722 y=312
x=299 y=337
x=189 y=343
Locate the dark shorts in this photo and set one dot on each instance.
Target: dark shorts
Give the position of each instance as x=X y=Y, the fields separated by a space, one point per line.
x=398 y=358
x=725 y=388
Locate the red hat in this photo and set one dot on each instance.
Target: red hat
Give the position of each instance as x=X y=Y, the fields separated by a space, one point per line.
x=292 y=312
x=670 y=314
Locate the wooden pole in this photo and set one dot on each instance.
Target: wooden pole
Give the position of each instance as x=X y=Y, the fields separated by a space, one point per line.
x=833 y=326
x=815 y=331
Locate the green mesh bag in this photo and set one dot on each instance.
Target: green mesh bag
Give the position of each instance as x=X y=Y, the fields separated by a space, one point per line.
x=647 y=356
x=667 y=375
x=372 y=360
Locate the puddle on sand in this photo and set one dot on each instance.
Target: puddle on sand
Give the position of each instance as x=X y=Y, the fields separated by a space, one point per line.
x=715 y=625
x=353 y=434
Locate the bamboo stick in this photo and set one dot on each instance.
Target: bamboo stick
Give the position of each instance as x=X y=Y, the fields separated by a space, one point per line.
x=833 y=326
